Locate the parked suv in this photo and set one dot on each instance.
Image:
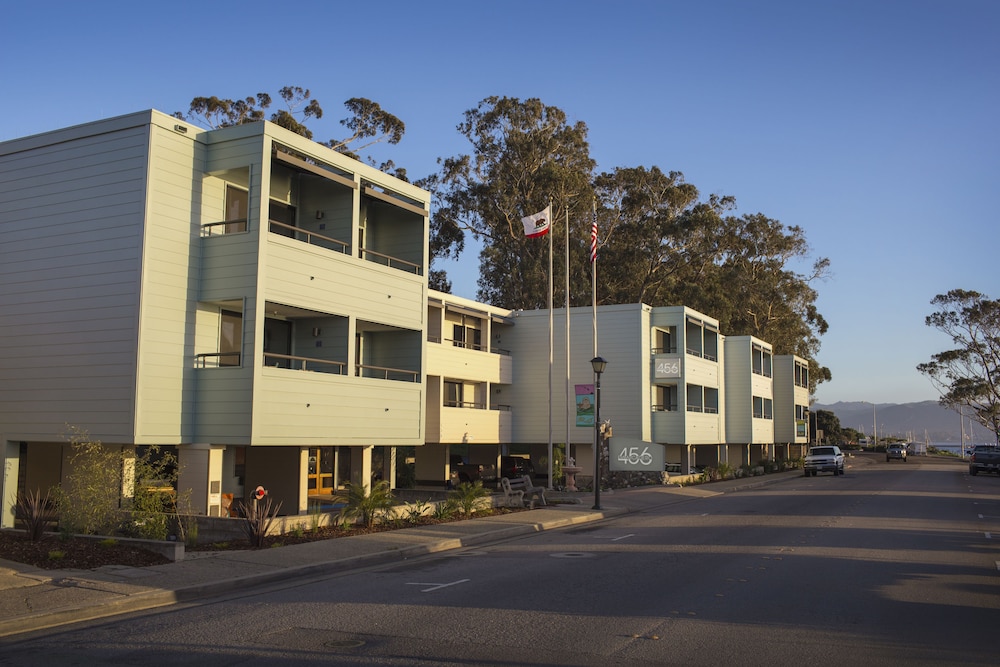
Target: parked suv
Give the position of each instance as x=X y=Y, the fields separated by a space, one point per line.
x=895 y=451
x=824 y=459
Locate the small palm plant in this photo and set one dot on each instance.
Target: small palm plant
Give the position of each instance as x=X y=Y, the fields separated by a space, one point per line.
x=370 y=507
x=469 y=497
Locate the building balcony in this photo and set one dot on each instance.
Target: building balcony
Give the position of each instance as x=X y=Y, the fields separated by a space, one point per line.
x=469 y=423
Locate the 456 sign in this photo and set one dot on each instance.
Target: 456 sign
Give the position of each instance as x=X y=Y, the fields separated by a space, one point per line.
x=635 y=455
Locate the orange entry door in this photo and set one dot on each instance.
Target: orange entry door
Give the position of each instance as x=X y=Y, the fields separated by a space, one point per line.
x=321 y=461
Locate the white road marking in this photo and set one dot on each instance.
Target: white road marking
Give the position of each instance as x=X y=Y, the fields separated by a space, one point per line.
x=434 y=587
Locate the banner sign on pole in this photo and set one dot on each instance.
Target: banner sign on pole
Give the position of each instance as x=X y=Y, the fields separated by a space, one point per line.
x=585 y=405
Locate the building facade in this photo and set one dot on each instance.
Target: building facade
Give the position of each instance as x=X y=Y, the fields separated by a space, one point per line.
x=248 y=296
x=259 y=302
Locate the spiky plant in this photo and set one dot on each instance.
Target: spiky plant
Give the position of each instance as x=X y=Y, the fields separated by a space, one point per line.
x=32 y=508
x=257 y=517
x=468 y=497
x=369 y=506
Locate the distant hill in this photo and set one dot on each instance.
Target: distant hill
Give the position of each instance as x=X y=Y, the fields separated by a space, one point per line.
x=901 y=419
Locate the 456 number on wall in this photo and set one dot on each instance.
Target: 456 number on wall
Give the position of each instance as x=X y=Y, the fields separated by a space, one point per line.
x=635 y=455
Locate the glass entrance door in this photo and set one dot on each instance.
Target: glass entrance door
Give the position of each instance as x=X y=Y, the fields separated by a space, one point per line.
x=321 y=463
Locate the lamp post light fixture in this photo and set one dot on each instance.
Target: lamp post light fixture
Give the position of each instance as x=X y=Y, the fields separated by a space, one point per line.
x=599 y=364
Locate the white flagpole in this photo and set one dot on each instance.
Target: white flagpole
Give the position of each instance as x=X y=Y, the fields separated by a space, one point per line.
x=593 y=272
x=593 y=284
x=569 y=399
x=551 y=232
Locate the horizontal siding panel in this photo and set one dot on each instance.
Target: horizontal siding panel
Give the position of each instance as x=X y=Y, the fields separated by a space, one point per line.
x=299 y=274
x=303 y=408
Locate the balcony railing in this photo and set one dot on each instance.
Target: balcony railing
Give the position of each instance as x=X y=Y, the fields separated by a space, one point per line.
x=312 y=238
x=305 y=363
x=379 y=372
x=661 y=407
x=217 y=360
x=391 y=262
x=468 y=346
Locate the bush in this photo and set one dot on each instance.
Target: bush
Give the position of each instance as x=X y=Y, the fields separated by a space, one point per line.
x=468 y=497
x=369 y=507
x=257 y=517
x=32 y=508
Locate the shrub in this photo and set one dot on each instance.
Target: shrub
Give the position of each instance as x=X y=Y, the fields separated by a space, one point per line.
x=369 y=507
x=257 y=517
x=468 y=497
x=416 y=511
x=32 y=508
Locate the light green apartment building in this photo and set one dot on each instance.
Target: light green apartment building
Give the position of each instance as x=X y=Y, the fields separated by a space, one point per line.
x=260 y=303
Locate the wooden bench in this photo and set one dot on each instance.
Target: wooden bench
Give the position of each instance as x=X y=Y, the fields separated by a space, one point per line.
x=520 y=487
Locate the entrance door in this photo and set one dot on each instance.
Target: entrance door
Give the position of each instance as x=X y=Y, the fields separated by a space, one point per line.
x=321 y=461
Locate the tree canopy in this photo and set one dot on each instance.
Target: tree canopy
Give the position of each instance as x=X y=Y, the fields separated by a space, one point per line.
x=968 y=374
x=660 y=243
x=367 y=119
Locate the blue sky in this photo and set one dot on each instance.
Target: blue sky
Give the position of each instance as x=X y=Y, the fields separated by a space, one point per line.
x=873 y=125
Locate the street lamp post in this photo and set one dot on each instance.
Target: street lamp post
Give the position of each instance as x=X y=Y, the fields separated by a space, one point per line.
x=599 y=364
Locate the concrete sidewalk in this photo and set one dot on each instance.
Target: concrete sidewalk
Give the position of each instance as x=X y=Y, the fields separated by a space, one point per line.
x=34 y=599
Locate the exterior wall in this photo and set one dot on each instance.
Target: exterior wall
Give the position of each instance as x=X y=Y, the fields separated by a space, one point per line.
x=169 y=288
x=742 y=384
x=787 y=395
x=623 y=332
x=70 y=269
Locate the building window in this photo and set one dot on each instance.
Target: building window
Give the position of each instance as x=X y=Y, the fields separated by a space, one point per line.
x=801 y=375
x=230 y=338
x=762 y=408
x=695 y=398
x=761 y=361
x=467 y=336
x=237 y=208
x=665 y=399
x=666 y=341
x=453 y=392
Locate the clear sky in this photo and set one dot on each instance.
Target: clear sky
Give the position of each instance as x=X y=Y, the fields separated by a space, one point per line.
x=872 y=124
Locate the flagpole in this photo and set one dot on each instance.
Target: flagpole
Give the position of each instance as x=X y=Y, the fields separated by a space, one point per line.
x=593 y=285
x=568 y=395
x=551 y=233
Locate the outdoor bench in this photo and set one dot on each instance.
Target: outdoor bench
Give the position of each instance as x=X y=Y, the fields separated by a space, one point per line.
x=519 y=487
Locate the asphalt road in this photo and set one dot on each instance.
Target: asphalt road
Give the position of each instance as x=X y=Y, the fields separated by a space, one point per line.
x=894 y=563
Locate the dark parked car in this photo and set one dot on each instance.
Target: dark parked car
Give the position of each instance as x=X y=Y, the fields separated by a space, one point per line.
x=516 y=466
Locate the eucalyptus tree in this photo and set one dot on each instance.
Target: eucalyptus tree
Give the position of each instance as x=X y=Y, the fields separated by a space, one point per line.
x=968 y=374
x=367 y=119
x=524 y=156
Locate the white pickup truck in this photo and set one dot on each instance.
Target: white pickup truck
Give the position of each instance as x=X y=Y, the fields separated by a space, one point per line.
x=824 y=459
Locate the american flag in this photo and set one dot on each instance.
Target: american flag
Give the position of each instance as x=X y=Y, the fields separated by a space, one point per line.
x=593 y=239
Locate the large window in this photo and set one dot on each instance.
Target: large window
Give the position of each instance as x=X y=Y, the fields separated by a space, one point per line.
x=762 y=408
x=467 y=336
x=801 y=374
x=453 y=394
x=665 y=399
x=237 y=209
x=761 y=361
x=230 y=338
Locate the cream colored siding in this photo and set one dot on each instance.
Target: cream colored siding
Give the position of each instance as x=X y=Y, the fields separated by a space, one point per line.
x=303 y=408
x=299 y=274
x=72 y=207
x=170 y=278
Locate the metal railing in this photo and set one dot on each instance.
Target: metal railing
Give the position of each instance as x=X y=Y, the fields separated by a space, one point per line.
x=390 y=261
x=662 y=407
x=274 y=360
x=217 y=360
x=312 y=238
x=382 y=373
